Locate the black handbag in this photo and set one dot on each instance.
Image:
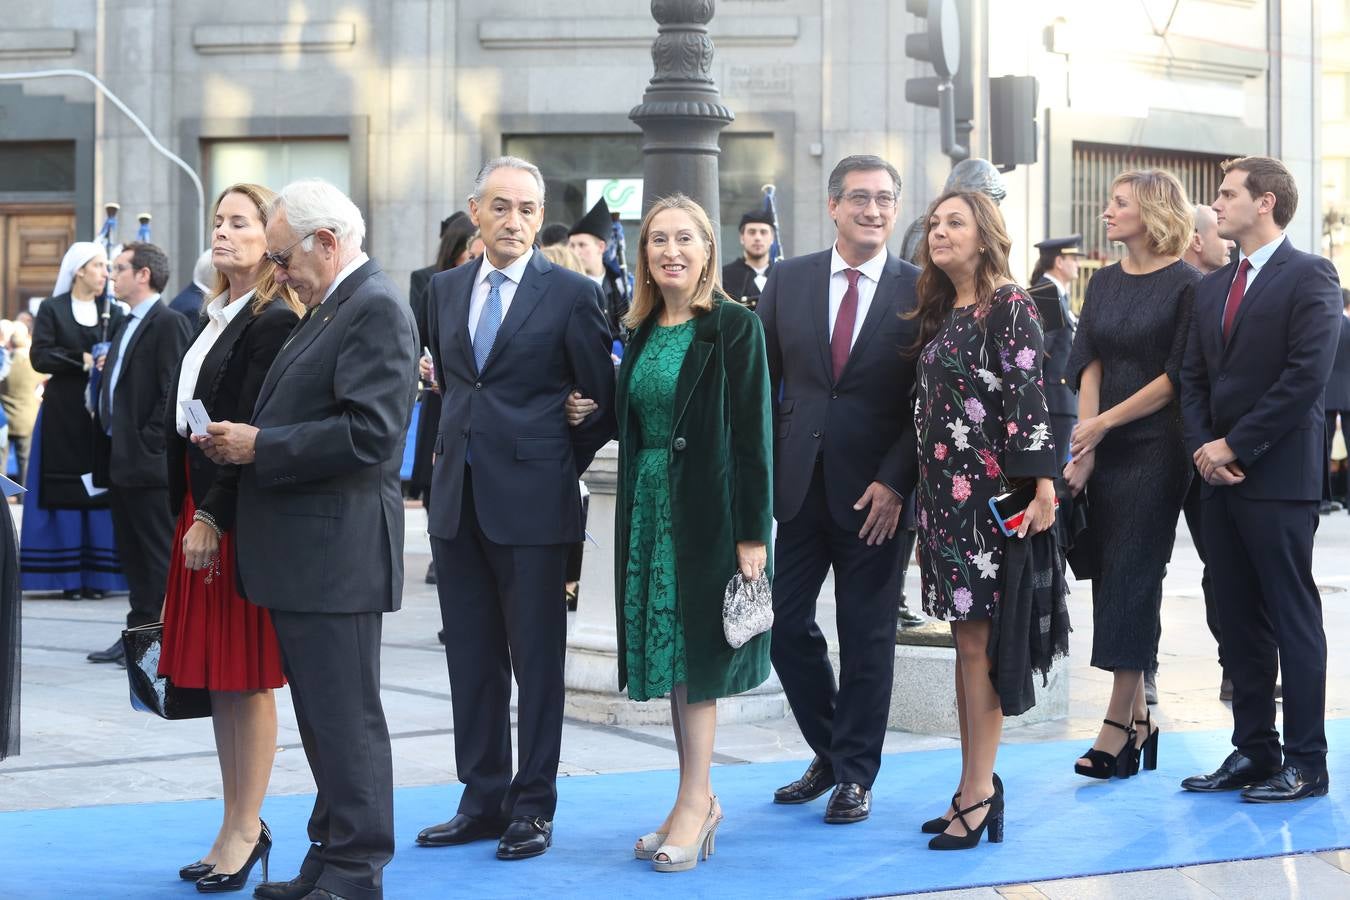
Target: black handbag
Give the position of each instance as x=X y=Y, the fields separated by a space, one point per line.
x=152 y=692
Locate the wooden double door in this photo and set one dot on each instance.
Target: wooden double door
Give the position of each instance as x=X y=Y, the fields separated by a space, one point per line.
x=33 y=238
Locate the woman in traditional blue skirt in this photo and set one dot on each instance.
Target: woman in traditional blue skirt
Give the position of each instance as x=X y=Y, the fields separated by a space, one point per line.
x=66 y=542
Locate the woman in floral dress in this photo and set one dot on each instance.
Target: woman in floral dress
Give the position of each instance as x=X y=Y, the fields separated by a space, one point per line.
x=983 y=428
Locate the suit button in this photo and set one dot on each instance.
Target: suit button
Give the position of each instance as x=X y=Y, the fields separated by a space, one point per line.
x=478 y=385
x=816 y=433
x=680 y=444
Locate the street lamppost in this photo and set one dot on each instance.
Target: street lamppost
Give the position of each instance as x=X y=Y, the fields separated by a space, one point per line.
x=681 y=113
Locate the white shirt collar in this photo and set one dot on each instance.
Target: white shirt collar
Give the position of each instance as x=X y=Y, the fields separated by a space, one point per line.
x=515 y=271
x=1262 y=254
x=1063 y=288
x=360 y=260
x=223 y=310
x=872 y=268
x=144 y=307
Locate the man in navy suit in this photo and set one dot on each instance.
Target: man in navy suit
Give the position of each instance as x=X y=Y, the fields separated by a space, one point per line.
x=844 y=456
x=510 y=337
x=1261 y=344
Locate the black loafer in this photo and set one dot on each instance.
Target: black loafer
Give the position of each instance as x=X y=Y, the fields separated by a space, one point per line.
x=114 y=654
x=525 y=837
x=848 y=804
x=1237 y=772
x=1290 y=783
x=297 y=888
x=461 y=829
x=193 y=871
x=816 y=780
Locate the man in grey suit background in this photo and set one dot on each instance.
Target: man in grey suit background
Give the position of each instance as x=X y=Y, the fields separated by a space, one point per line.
x=320 y=538
x=511 y=336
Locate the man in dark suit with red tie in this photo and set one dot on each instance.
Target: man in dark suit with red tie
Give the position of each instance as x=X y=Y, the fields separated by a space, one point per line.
x=1262 y=339
x=844 y=456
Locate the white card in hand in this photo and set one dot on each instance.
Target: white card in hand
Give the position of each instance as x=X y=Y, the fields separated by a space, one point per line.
x=195 y=413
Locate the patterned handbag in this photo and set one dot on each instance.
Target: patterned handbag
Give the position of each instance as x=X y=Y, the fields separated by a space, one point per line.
x=152 y=692
x=747 y=609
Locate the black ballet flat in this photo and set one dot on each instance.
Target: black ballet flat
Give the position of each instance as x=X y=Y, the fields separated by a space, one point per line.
x=1105 y=765
x=194 y=871
x=220 y=882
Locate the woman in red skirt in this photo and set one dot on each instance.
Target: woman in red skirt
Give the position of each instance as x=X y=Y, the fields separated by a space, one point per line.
x=213 y=637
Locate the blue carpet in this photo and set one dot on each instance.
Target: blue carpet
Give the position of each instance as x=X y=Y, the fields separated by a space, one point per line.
x=1059 y=825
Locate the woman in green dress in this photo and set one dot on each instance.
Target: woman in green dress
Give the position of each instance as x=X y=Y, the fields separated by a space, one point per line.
x=694 y=503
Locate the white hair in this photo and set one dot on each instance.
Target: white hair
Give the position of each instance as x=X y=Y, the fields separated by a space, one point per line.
x=505 y=162
x=204 y=272
x=311 y=204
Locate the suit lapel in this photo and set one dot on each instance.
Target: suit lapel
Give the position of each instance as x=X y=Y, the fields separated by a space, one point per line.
x=528 y=294
x=458 y=316
x=818 y=300
x=309 y=329
x=876 y=311
x=215 y=358
x=695 y=360
x=631 y=354
x=1269 y=272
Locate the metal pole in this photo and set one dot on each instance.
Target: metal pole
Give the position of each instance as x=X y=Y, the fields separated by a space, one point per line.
x=135 y=120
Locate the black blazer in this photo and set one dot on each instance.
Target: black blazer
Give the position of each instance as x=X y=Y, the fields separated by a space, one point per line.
x=1337 y=395
x=1263 y=389
x=863 y=426
x=134 y=452
x=231 y=376
x=738 y=280
x=320 y=508
x=1060 y=397
x=417 y=300
x=190 y=302
x=526 y=461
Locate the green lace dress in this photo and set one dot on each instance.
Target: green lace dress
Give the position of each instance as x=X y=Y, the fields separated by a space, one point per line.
x=653 y=630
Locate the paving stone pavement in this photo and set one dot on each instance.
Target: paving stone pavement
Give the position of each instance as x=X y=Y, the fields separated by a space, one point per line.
x=83 y=745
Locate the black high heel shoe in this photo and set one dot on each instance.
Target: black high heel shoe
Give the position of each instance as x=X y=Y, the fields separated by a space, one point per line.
x=939 y=825
x=993 y=821
x=220 y=882
x=194 y=871
x=1106 y=765
x=1149 y=749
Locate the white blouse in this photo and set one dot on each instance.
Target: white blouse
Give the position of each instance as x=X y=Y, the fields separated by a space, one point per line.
x=220 y=314
x=85 y=311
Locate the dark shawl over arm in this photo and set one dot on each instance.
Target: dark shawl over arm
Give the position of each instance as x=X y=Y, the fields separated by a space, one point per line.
x=1030 y=628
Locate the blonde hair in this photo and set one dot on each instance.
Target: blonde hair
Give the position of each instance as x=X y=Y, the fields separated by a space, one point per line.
x=266 y=289
x=1169 y=218
x=562 y=255
x=646 y=296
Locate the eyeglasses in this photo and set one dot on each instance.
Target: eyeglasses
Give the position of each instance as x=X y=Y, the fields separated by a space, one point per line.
x=282 y=259
x=121 y=267
x=862 y=199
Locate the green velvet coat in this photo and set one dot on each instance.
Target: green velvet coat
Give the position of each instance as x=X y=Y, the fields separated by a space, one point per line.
x=721 y=488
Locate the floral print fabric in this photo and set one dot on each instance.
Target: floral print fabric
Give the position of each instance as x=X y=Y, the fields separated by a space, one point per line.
x=653 y=631
x=982 y=422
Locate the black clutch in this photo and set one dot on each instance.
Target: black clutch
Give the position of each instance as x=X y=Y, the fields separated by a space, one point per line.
x=152 y=692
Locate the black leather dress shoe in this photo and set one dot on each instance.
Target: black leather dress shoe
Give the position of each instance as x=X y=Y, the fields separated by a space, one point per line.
x=849 y=803
x=1237 y=772
x=461 y=829
x=320 y=894
x=816 y=780
x=114 y=654
x=1290 y=783
x=297 y=888
x=909 y=619
x=525 y=837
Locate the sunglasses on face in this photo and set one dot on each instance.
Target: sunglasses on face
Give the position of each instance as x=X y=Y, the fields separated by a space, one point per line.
x=282 y=258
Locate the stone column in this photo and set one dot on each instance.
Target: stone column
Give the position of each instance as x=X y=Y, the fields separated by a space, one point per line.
x=592 y=672
x=681 y=113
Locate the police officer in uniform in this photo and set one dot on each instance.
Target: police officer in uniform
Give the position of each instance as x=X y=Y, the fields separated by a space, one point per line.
x=1055 y=271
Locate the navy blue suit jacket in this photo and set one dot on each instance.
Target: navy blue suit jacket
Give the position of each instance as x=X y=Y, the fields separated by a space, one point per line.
x=1337 y=395
x=862 y=425
x=509 y=417
x=1262 y=390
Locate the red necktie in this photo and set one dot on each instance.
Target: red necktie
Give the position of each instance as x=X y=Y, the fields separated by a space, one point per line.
x=842 y=338
x=1235 y=297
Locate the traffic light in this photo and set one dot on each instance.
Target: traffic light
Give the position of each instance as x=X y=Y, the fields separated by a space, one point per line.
x=1012 y=121
x=939 y=45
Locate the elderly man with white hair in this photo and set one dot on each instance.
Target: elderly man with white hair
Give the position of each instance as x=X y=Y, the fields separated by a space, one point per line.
x=320 y=542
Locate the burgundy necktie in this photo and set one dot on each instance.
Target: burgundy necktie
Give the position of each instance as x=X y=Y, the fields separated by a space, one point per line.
x=1235 y=293
x=842 y=338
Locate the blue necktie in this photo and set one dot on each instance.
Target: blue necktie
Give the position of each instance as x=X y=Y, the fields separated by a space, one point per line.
x=489 y=320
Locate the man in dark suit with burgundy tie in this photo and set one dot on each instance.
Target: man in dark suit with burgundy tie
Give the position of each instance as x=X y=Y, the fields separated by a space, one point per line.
x=510 y=337
x=1261 y=344
x=844 y=456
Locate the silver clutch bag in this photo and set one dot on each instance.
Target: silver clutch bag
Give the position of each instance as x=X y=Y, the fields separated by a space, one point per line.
x=747 y=609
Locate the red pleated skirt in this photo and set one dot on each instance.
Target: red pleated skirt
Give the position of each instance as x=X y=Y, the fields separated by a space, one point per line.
x=214 y=638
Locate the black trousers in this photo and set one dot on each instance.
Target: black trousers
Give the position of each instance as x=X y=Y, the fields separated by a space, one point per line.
x=332 y=661
x=1191 y=509
x=503 y=612
x=143 y=529
x=845 y=725
x=1271 y=616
